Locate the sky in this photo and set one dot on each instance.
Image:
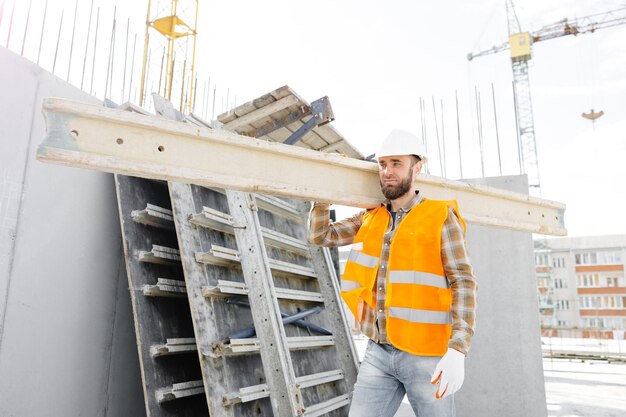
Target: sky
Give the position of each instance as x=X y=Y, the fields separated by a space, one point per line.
x=376 y=61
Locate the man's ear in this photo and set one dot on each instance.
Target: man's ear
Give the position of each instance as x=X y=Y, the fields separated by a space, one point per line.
x=417 y=168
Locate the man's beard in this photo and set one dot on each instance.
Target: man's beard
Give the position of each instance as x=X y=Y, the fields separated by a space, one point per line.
x=393 y=192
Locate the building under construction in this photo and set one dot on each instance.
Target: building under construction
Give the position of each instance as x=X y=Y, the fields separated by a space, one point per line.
x=173 y=277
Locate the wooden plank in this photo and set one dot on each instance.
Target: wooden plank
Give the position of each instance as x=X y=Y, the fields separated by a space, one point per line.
x=133 y=144
x=261 y=113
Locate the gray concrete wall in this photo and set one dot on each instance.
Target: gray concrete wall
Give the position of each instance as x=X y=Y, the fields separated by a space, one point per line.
x=67 y=344
x=504 y=372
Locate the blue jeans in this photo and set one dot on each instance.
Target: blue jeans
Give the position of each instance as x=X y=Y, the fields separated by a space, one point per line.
x=386 y=374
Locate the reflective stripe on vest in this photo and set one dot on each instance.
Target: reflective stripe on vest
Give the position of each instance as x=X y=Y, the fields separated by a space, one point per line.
x=347 y=285
x=420 y=278
x=421 y=316
x=363 y=259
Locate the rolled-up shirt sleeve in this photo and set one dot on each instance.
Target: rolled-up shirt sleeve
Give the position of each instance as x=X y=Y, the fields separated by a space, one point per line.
x=460 y=275
x=322 y=232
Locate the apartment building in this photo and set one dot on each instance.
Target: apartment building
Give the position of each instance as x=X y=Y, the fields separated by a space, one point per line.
x=581 y=286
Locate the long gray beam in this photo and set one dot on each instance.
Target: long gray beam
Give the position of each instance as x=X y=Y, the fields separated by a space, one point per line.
x=112 y=140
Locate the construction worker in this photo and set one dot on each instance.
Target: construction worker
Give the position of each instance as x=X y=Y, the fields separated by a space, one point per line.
x=409 y=283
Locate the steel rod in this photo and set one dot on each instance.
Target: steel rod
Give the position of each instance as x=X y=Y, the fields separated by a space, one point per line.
x=125 y=60
x=132 y=68
x=424 y=129
x=69 y=65
x=30 y=3
x=480 y=131
x=458 y=131
x=520 y=156
x=437 y=135
x=110 y=60
x=443 y=142
x=95 y=46
x=300 y=323
x=43 y=28
x=195 y=91
x=58 y=40
x=213 y=112
x=82 y=77
x=10 y=24
x=161 y=73
x=495 y=119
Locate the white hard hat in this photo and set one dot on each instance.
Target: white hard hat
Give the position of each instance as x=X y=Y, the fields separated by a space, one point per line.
x=399 y=142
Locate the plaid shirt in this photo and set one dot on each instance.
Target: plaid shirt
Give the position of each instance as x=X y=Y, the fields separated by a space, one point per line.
x=453 y=254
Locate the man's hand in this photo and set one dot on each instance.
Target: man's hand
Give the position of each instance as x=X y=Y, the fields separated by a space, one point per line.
x=449 y=373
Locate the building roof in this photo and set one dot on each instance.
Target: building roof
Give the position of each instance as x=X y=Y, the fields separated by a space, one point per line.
x=582 y=242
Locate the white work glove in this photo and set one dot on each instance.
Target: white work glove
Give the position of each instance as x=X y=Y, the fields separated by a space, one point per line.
x=449 y=373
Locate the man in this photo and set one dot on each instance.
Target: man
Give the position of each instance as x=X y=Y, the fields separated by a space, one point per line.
x=409 y=283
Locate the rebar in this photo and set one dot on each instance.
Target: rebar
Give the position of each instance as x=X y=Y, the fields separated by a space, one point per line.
x=30 y=3
x=43 y=28
x=95 y=45
x=82 y=77
x=58 y=40
x=69 y=65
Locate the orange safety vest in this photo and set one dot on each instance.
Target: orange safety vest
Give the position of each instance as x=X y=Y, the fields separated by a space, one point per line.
x=418 y=299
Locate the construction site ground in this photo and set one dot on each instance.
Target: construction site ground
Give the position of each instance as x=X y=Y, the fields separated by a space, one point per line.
x=573 y=388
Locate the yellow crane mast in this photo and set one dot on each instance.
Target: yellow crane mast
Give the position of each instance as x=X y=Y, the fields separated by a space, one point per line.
x=171 y=53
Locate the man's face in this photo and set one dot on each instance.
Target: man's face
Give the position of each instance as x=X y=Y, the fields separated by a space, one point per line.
x=396 y=174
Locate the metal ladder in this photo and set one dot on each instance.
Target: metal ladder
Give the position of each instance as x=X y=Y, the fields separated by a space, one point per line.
x=247 y=273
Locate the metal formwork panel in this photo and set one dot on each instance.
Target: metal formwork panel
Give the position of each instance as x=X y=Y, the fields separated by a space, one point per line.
x=246 y=262
x=170 y=372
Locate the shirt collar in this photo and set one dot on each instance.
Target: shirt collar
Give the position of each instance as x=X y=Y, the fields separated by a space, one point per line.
x=417 y=198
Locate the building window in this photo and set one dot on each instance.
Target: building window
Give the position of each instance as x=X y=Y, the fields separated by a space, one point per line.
x=562 y=305
x=612 y=281
x=560 y=283
x=542 y=260
x=558 y=262
x=610 y=257
x=586 y=258
x=588 y=280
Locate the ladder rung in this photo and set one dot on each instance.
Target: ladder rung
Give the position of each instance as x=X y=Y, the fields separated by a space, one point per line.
x=256 y=392
x=283 y=241
x=278 y=206
x=154 y=216
x=174 y=346
x=246 y=394
x=213 y=219
x=251 y=345
x=160 y=255
x=222 y=256
x=223 y=222
x=327 y=406
x=219 y=255
x=229 y=288
x=225 y=289
x=307 y=381
x=180 y=390
x=290 y=268
x=166 y=288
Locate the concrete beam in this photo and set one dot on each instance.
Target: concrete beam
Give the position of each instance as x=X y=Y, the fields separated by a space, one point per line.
x=118 y=141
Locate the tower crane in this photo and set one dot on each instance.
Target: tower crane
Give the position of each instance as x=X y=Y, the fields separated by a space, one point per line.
x=520 y=44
